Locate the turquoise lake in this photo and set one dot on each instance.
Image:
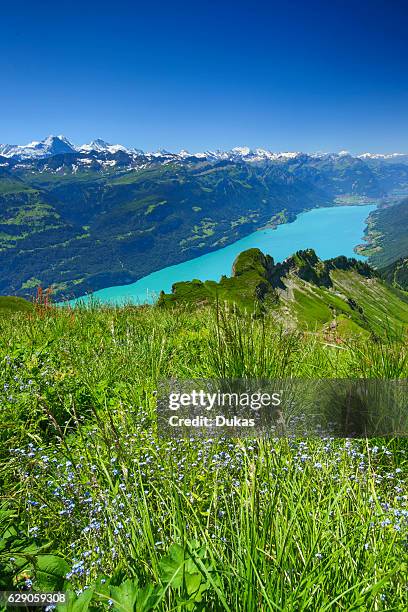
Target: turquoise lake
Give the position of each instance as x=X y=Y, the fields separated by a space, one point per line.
x=329 y=231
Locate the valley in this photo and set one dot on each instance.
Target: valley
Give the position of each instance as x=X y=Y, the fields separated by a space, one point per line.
x=81 y=219
x=330 y=231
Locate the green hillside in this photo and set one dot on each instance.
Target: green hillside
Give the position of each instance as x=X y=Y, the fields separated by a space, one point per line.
x=388 y=235
x=343 y=295
x=397 y=273
x=14 y=304
x=387 y=246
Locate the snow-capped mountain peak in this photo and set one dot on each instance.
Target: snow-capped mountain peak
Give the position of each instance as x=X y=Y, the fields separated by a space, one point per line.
x=184 y=153
x=241 y=151
x=256 y=155
x=52 y=145
x=95 y=145
x=101 y=146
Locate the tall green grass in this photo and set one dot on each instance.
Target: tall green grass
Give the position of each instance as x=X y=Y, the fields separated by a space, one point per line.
x=278 y=524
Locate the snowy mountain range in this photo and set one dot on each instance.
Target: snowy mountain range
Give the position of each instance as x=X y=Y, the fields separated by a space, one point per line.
x=57 y=145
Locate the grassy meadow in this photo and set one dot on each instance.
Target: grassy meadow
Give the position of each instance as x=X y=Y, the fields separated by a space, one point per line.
x=95 y=503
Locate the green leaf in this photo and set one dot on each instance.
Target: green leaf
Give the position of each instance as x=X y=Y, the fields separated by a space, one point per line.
x=50 y=572
x=147 y=598
x=124 y=596
x=171 y=566
x=102 y=588
x=76 y=603
x=193 y=582
x=118 y=576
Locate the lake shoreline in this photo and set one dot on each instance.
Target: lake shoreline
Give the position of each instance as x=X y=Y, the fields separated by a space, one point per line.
x=331 y=231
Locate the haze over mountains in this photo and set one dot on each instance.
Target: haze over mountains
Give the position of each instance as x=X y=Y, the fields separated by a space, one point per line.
x=81 y=218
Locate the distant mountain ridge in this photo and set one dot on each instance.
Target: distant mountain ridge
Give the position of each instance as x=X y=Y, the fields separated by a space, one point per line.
x=54 y=145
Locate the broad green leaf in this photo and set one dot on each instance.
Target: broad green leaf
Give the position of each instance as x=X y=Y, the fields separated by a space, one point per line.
x=193 y=582
x=124 y=596
x=171 y=566
x=76 y=603
x=147 y=598
x=102 y=588
x=50 y=572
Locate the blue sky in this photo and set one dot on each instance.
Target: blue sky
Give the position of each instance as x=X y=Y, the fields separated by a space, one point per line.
x=288 y=75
